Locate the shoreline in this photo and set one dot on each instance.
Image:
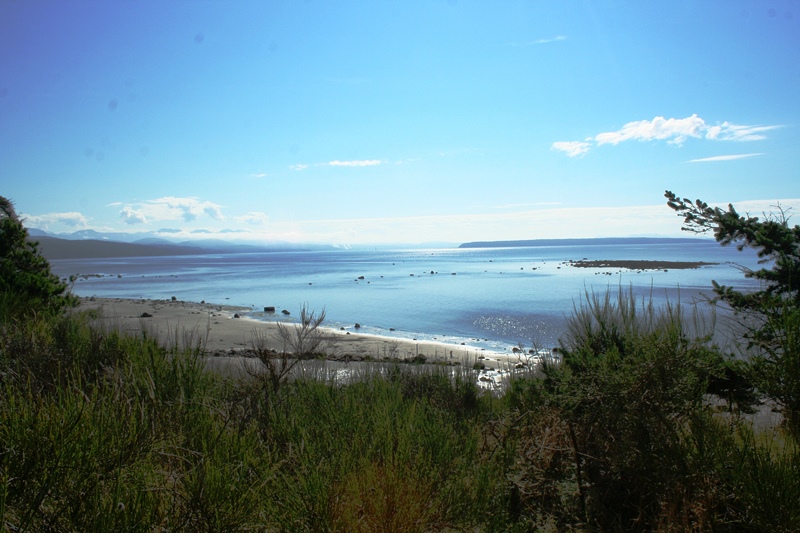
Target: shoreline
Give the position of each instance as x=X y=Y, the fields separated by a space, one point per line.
x=226 y=331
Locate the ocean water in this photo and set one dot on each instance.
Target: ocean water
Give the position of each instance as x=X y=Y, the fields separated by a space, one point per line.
x=492 y=298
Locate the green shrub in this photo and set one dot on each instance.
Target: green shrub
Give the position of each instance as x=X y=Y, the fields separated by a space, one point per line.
x=632 y=382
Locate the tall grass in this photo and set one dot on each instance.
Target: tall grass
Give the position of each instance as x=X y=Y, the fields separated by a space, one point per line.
x=104 y=431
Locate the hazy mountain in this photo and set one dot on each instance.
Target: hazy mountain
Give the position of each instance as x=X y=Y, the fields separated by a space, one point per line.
x=91 y=243
x=55 y=248
x=58 y=248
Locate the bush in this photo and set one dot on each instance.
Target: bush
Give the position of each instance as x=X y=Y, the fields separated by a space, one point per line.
x=630 y=388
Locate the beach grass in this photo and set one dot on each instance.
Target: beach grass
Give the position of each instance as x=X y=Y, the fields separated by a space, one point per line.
x=108 y=430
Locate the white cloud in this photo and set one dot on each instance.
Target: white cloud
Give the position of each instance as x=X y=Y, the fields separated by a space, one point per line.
x=131 y=216
x=572 y=148
x=673 y=130
x=47 y=221
x=255 y=218
x=336 y=163
x=723 y=158
x=508 y=224
x=359 y=163
x=170 y=208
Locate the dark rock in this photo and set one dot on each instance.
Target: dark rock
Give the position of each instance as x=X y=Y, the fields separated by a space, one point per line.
x=236 y=316
x=174 y=298
x=269 y=309
x=145 y=315
x=286 y=312
x=360 y=277
x=357 y=326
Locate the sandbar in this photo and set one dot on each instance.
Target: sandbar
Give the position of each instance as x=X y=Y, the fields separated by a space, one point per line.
x=639 y=264
x=225 y=331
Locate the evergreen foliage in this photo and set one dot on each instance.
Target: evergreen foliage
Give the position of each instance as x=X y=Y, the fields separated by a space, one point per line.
x=770 y=316
x=26 y=283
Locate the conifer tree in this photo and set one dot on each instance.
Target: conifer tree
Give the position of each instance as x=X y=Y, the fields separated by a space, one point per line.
x=26 y=283
x=769 y=316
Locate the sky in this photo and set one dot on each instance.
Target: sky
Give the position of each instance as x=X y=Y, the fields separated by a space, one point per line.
x=362 y=122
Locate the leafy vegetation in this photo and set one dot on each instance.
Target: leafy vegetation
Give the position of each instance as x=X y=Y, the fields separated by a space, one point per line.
x=104 y=431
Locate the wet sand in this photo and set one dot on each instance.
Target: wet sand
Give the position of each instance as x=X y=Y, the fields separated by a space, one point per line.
x=223 y=330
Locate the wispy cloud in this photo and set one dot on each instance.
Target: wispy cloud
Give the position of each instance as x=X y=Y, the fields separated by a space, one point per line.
x=572 y=148
x=672 y=130
x=536 y=42
x=723 y=158
x=533 y=204
x=258 y=175
x=734 y=132
x=170 y=208
x=357 y=163
x=337 y=163
x=254 y=218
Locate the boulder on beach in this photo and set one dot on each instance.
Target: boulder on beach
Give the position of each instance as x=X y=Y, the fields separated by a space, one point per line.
x=269 y=309
x=286 y=312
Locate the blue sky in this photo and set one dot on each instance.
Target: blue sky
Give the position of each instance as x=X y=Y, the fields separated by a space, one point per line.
x=395 y=122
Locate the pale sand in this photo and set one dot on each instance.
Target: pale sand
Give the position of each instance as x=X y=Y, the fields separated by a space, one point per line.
x=222 y=334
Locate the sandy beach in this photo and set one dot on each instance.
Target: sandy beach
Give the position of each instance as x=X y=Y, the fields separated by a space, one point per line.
x=226 y=331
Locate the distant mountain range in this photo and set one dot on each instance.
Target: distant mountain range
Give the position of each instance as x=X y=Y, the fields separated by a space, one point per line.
x=92 y=244
x=88 y=244
x=582 y=242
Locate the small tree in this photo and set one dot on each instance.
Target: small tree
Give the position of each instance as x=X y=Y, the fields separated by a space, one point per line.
x=26 y=283
x=771 y=315
x=297 y=342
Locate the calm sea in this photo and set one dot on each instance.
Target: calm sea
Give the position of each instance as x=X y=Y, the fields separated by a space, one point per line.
x=488 y=297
